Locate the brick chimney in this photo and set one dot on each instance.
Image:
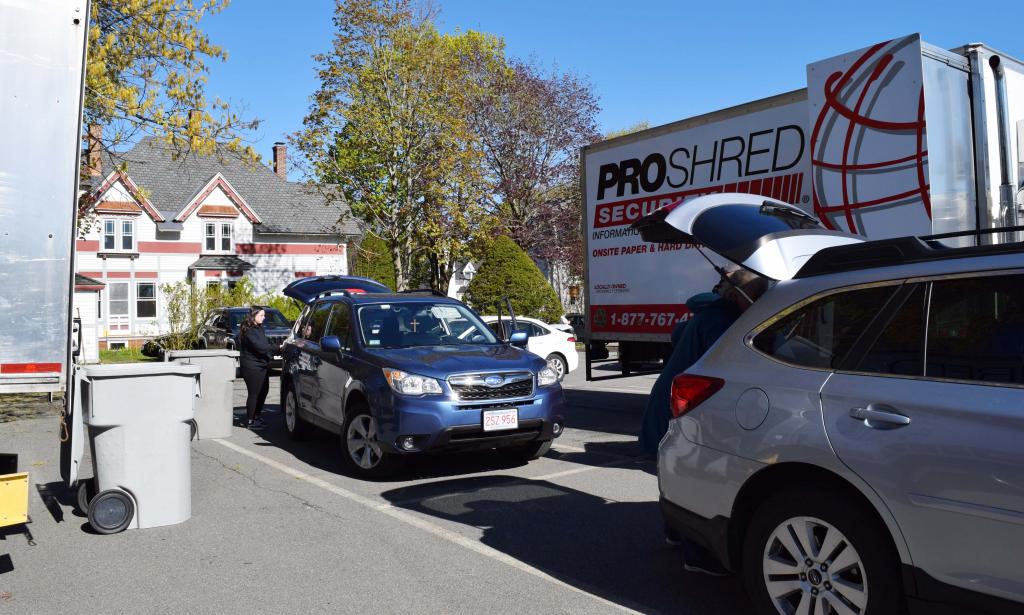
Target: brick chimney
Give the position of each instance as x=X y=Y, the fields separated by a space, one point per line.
x=94 y=162
x=281 y=160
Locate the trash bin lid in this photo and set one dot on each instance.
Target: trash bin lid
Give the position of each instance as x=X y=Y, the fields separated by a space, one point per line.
x=188 y=354
x=121 y=370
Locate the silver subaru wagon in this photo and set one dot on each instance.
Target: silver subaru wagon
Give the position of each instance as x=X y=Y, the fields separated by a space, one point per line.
x=854 y=443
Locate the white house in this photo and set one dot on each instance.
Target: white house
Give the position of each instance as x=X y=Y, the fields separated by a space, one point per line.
x=212 y=219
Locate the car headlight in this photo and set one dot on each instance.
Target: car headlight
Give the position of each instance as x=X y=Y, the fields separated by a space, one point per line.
x=547 y=377
x=405 y=383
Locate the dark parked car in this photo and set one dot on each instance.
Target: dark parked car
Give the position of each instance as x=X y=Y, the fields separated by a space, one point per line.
x=221 y=326
x=398 y=375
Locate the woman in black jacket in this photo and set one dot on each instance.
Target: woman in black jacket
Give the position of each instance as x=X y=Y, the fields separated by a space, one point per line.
x=255 y=354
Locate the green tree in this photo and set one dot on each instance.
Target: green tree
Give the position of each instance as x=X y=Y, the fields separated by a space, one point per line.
x=507 y=271
x=388 y=128
x=373 y=260
x=147 y=72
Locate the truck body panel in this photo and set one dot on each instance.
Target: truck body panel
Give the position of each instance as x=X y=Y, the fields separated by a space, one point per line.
x=42 y=47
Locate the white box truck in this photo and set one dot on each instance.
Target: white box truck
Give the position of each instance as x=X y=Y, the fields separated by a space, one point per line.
x=42 y=64
x=900 y=138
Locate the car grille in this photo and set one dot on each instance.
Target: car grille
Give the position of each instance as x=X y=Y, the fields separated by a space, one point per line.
x=473 y=387
x=276 y=341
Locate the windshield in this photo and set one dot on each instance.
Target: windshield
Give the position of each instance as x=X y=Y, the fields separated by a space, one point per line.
x=273 y=320
x=405 y=325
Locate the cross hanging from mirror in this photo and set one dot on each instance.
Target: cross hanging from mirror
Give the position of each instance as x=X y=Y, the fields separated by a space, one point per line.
x=414 y=323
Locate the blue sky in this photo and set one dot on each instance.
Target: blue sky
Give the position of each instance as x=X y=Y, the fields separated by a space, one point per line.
x=655 y=61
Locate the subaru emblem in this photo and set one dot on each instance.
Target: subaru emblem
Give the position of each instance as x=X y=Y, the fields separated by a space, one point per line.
x=494 y=381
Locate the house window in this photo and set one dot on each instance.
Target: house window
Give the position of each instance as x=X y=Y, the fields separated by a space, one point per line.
x=109 y=238
x=218 y=237
x=118 y=298
x=145 y=300
x=118 y=235
x=99 y=305
x=225 y=237
x=127 y=235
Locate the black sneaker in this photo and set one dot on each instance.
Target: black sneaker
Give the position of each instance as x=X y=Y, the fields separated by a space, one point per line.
x=255 y=425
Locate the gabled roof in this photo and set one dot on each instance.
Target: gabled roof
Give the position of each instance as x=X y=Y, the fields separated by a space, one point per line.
x=282 y=206
x=218 y=181
x=133 y=189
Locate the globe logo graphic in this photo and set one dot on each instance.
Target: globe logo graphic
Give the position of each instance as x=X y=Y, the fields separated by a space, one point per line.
x=868 y=142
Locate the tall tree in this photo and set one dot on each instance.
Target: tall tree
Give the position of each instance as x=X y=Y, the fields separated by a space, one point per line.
x=531 y=127
x=387 y=130
x=147 y=72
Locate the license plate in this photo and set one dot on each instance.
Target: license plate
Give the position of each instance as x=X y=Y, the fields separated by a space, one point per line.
x=496 y=420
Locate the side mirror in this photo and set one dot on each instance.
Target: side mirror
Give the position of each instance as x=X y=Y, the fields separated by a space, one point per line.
x=519 y=338
x=331 y=343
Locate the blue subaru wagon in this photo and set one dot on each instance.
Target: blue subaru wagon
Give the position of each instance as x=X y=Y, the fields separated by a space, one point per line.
x=402 y=374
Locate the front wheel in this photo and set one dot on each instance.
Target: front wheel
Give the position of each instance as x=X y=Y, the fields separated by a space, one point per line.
x=813 y=551
x=361 y=450
x=525 y=454
x=557 y=363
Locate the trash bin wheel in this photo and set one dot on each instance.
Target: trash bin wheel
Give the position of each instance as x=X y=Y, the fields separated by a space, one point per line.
x=86 y=492
x=111 y=511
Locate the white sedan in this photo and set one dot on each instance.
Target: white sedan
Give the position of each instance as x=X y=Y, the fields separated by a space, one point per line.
x=556 y=347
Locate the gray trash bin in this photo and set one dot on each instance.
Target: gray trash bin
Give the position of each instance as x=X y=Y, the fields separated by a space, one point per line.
x=139 y=417
x=215 y=410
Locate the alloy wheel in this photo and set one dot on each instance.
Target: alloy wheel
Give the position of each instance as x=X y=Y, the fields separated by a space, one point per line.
x=811 y=568
x=361 y=440
x=556 y=364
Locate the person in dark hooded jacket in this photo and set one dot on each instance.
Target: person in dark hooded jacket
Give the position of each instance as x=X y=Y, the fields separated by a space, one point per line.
x=712 y=314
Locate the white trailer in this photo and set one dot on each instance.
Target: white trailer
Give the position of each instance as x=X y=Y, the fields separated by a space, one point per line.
x=42 y=63
x=900 y=138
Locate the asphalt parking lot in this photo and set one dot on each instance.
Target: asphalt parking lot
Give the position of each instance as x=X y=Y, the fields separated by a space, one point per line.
x=277 y=528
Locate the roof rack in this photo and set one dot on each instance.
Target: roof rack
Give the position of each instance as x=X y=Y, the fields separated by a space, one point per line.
x=903 y=251
x=422 y=291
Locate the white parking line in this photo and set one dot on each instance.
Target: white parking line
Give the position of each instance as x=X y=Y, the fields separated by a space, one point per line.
x=558 y=446
x=619 y=462
x=417 y=522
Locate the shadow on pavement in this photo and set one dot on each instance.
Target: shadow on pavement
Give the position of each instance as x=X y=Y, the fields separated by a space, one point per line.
x=322 y=450
x=605 y=411
x=615 y=550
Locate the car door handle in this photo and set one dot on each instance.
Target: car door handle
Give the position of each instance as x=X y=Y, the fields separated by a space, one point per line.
x=880 y=416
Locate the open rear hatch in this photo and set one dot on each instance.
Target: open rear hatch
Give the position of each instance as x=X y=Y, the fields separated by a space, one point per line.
x=308 y=289
x=771 y=238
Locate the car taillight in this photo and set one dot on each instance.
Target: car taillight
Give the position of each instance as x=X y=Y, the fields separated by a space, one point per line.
x=690 y=391
x=571 y=339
